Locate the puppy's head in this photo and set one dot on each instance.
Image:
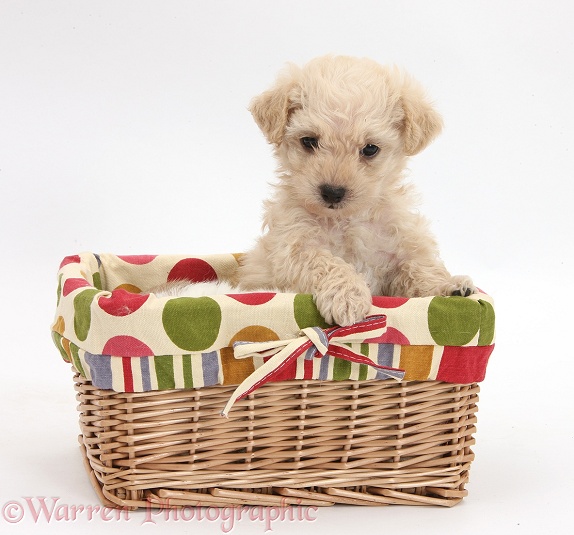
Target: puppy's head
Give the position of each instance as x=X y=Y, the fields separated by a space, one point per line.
x=342 y=130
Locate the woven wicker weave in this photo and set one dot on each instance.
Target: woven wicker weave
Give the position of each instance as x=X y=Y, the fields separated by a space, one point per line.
x=292 y=442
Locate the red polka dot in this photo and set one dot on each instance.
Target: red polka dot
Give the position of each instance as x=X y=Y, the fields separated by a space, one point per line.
x=259 y=298
x=73 y=284
x=389 y=302
x=126 y=346
x=70 y=260
x=138 y=260
x=121 y=303
x=392 y=336
x=193 y=270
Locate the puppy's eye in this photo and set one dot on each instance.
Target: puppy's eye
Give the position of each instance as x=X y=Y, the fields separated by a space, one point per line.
x=369 y=150
x=310 y=143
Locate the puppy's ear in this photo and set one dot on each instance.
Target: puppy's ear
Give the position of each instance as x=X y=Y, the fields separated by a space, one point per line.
x=272 y=108
x=421 y=123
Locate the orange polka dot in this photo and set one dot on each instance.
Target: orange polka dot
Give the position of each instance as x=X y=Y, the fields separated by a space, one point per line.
x=254 y=333
x=66 y=346
x=129 y=288
x=59 y=326
x=235 y=370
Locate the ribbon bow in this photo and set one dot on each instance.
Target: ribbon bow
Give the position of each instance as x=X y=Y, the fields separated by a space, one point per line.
x=316 y=343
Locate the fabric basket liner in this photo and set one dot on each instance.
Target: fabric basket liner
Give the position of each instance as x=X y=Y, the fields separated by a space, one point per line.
x=122 y=338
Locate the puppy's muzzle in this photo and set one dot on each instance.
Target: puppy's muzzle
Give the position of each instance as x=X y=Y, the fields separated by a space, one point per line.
x=332 y=195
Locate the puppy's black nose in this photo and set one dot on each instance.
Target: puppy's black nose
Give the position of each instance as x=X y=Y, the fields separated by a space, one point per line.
x=332 y=194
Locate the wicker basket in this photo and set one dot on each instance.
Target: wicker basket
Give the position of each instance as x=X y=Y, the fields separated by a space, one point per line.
x=378 y=413
x=294 y=442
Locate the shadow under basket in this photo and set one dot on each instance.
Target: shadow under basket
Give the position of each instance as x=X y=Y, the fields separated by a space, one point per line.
x=320 y=443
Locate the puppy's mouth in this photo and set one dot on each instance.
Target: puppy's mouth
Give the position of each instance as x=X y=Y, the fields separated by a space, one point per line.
x=329 y=210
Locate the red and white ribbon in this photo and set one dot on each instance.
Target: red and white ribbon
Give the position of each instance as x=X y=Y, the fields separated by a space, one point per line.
x=332 y=341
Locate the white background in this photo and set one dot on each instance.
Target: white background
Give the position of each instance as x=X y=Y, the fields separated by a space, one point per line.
x=124 y=128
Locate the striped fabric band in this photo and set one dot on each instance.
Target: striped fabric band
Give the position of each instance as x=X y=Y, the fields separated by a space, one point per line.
x=313 y=343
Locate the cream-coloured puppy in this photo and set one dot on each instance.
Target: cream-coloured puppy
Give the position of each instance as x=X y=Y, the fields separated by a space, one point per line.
x=341 y=223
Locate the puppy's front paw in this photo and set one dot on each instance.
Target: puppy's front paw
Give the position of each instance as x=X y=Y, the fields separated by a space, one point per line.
x=459 y=285
x=345 y=305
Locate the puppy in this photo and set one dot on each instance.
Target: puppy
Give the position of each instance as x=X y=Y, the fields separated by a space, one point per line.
x=341 y=223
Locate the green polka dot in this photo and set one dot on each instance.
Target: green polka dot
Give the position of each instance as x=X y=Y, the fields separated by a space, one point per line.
x=192 y=323
x=57 y=338
x=83 y=313
x=59 y=290
x=75 y=351
x=97 y=280
x=453 y=321
x=486 y=335
x=306 y=313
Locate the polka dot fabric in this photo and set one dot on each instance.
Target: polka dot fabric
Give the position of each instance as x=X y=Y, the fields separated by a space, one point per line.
x=123 y=338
